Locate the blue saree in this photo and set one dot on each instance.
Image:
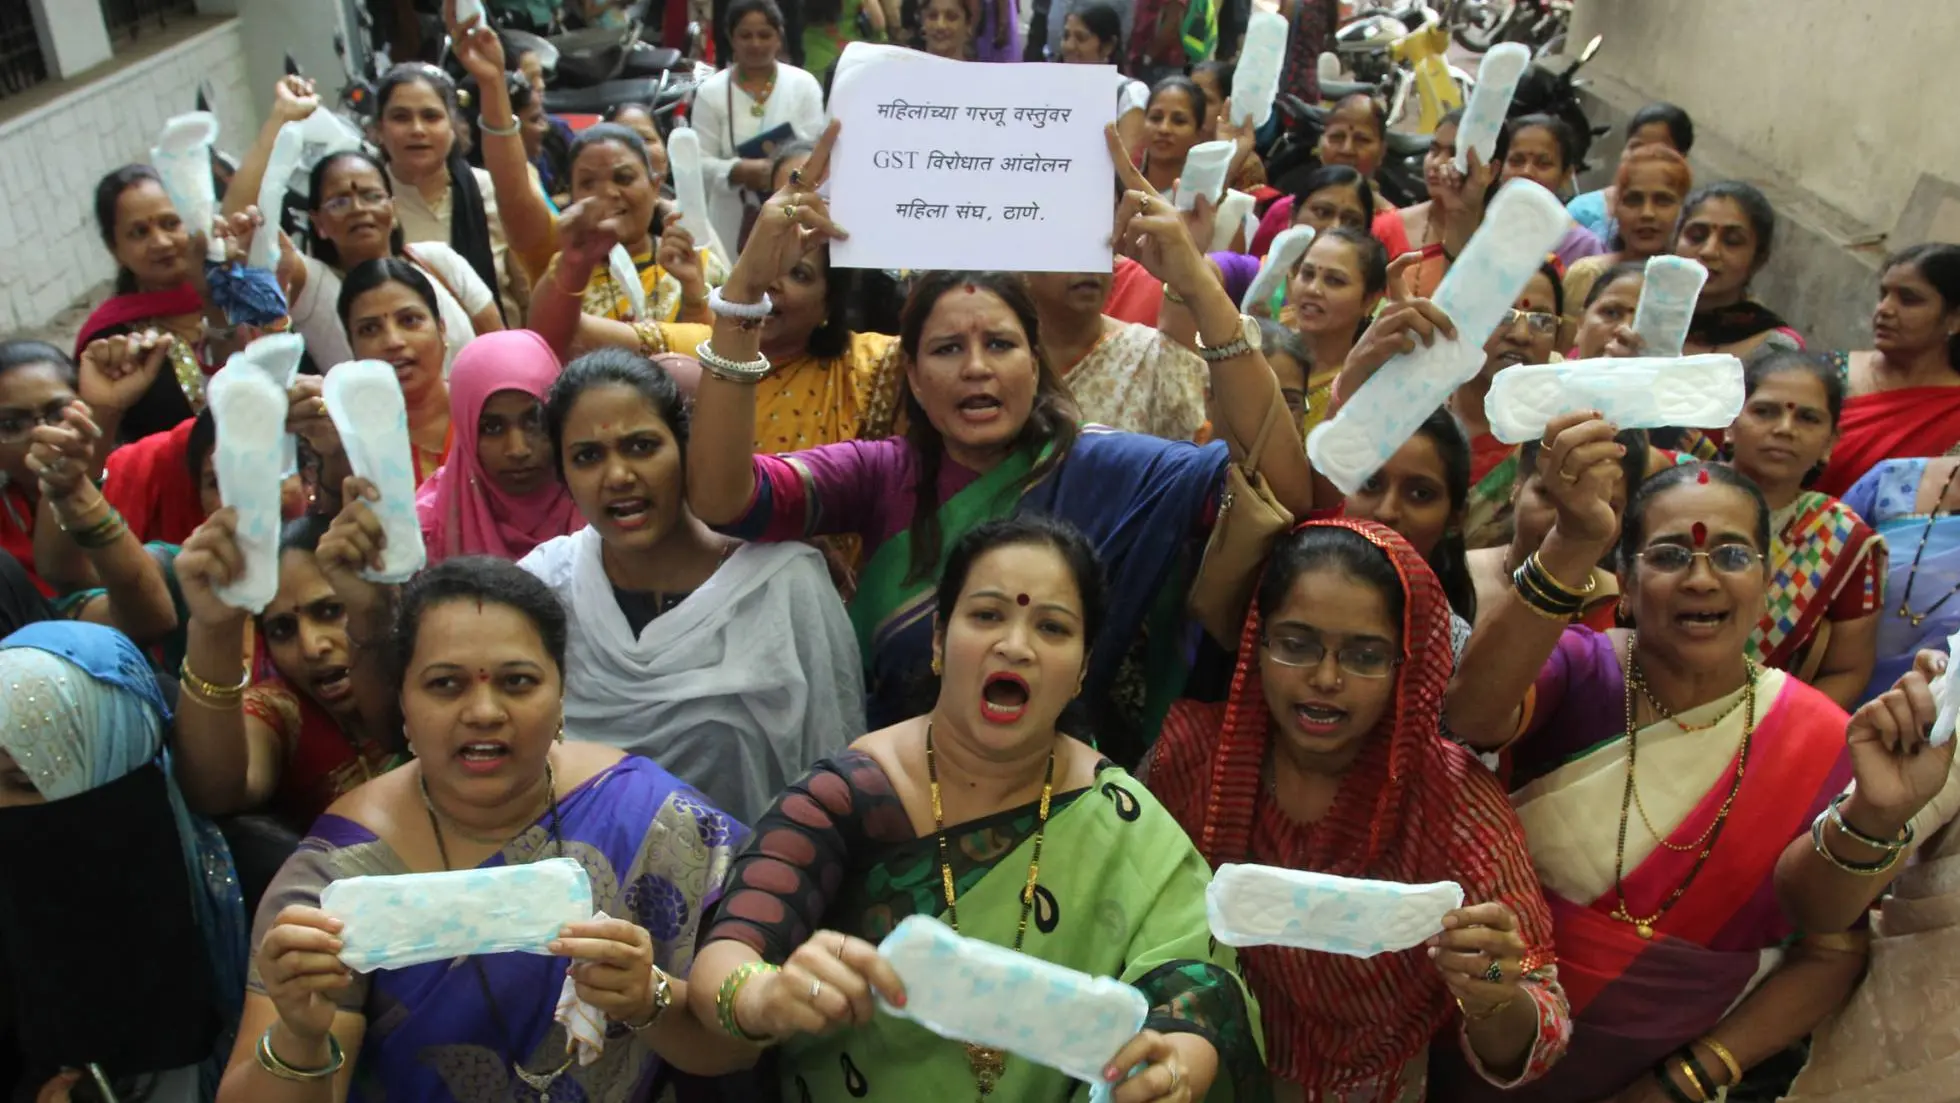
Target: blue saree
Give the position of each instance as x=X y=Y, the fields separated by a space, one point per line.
x=1925 y=550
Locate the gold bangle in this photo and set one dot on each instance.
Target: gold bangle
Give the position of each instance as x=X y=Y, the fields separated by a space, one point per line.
x=1172 y=296
x=1689 y=1072
x=210 y=692
x=1723 y=1055
x=731 y=988
x=1550 y=579
x=270 y=1062
x=1470 y=1016
x=653 y=341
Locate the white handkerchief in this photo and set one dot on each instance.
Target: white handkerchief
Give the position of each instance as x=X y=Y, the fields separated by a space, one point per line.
x=1287 y=249
x=182 y=158
x=973 y=991
x=365 y=402
x=415 y=918
x=1250 y=905
x=1490 y=101
x=1262 y=55
x=250 y=416
x=1522 y=225
x=585 y=1025
x=1946 y=691
x=1694 y=392
x=690 y=191
x=1668 y=295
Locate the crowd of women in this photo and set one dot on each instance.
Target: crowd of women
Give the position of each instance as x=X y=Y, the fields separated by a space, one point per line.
x=788 y=612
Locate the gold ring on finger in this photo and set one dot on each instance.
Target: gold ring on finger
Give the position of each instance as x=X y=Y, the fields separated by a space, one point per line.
x=789 y=211
x=816 y=989
x=1494 y=972
x=1567 y=475
x=1177 y=1076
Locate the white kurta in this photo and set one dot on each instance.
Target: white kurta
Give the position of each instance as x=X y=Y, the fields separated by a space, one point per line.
x=723 y=118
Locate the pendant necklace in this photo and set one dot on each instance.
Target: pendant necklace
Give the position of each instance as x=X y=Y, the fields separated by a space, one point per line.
x=1932 y=517
x=539 y=1082
x=987 y=1062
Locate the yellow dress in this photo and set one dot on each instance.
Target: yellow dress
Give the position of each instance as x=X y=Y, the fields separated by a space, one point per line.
x=806 y=402
x=604 y=297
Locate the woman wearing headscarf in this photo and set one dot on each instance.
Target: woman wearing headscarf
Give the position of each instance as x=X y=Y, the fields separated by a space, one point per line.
x=81 y=751
x=498 y=493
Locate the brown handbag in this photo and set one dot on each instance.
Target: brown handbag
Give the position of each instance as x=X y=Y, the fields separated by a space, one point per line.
x=1249 y=520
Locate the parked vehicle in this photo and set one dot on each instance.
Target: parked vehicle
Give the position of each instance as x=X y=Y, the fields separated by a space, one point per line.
x=1480 y=24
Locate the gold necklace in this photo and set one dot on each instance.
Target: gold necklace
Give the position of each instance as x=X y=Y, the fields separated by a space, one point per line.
x=1638 y=679
x=761 y=98
x=1932 y=517
x=1644 y=925
x=987 y=1062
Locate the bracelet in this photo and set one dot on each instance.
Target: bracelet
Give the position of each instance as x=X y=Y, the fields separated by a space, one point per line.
x=756 y=313
x=270 y=1062
x=100 y=534
x=1538 y=566
x=1694 y=1081
x=1888 y=845
x=663 y=997
x=210 y=692
x=1697 y=1072
x=1669 y=1087
x=731 y=988
x=1172 y=296
x=1856 y=869
x=1723 y=1055
x=734 y=371
x=510 y=131
x=653 y=340
x=1470 y=1016
x=1539 y=601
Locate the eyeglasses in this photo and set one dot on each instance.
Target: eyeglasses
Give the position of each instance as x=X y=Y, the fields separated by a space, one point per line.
x=373 y=199
x=1541 y=325
x=1725 y=559
x=1361 y=658
x=16 y=425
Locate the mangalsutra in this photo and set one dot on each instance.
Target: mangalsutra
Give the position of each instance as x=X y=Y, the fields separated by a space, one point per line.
x=1932 y=517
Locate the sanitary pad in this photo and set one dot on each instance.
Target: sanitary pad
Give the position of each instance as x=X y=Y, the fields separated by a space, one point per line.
x=1250 y=905
x=182 y=158
x=1667 y=304
x=1946 y=690
x=1695 y=392
x=628 y=278
x=1490 y=101
x=415 y=918
x=1262 y=55
x=1522 y=225
x=365 y=402
x=684 y=169
x=248 y=405
x=1204 y=173
x=973 y=991
x=287 y=149
x=1287 y=249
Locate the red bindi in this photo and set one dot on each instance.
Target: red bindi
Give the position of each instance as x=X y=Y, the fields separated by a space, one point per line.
x=1790 y=407
x=1700 y=533
x=482 y=675
x=1702 y=476
x=1020 y=599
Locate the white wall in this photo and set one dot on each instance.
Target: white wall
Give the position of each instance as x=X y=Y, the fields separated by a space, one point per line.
x=51 y=253
x=1853 y=101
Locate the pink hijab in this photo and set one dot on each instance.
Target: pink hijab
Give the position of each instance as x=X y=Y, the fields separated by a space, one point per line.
x=462 y=511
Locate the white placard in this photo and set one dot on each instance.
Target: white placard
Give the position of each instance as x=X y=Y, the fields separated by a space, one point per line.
x=1003 y=168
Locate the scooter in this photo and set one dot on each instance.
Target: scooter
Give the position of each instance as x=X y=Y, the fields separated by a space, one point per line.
x=1362 y=44
x=1423 y=68
x=1480 y=24
x=1542 y=91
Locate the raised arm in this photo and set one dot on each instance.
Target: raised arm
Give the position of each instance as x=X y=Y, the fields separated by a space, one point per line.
x=1579 y=466
x=293 y=99
x=529 y=227
x=1901 y=780
x=557 y=311
x=720 y=472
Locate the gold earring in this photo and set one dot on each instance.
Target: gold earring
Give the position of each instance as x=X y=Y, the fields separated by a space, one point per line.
x=561 y=731
x=937 y=669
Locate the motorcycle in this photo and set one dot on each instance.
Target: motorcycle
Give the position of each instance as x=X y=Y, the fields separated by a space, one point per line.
x=1293 y=157
x=591 y=71
x=1478 y=25
x=1362 y=44
x=1544 y=92
x=1423 y=69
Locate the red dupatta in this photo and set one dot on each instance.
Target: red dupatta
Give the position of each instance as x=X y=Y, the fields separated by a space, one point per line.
x=125 y=311
x=1413 y=808
x=1913 y=421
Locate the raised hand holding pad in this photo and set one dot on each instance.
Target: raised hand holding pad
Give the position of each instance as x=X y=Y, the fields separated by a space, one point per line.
x=1522 y=225
x=1204 y=173
x=182 y=158
x=972 y=991
x=1262 y=56
x=1692 y=392
x=1252 y=905
x=1287 y=249
x=690 y=193
x=416 y=918
x=279 y=167
x=365 y=402
x=1490 y=101
x=249 y=412
x=1668 y=294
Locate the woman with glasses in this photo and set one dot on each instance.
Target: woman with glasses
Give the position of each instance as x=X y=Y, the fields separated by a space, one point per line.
x=351 y=200
x=1659 y=773
x=1525 y=336
x=1324 y=757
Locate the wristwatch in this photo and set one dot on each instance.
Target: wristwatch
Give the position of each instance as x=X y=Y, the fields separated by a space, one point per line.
x=663 y=998
x=1248 y=341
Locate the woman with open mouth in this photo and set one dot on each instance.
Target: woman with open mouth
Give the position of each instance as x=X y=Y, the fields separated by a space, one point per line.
x=477 y=677
x=1826 y=565
x=989 y=812
x=992 y=432
x=1659 y=773
x=1324 y=757
x=731 y=664
x=289 y=685
x=499 y=494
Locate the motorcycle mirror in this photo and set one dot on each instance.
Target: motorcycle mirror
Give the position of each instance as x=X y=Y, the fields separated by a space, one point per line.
x=1592 y=48
x=1328 y=66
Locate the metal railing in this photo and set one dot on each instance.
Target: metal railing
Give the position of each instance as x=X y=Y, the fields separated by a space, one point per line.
x=21 y=64
x=128 y=20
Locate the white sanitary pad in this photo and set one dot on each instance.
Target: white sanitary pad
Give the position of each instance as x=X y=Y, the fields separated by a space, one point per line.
x=627 y=276
x=182 y=158
x=365 y=402
x=287 y=149
x=1204 y=173
x=415 y=918
x=690 y=191
x=1288 y=247
x=1250 y=905
x=1667 y=304
x=1946 y=691
x=1522 y=225
x=1262 y=55
x=1490 y=101
x=1693 y=392
x=973 y=991
x=250 y=415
